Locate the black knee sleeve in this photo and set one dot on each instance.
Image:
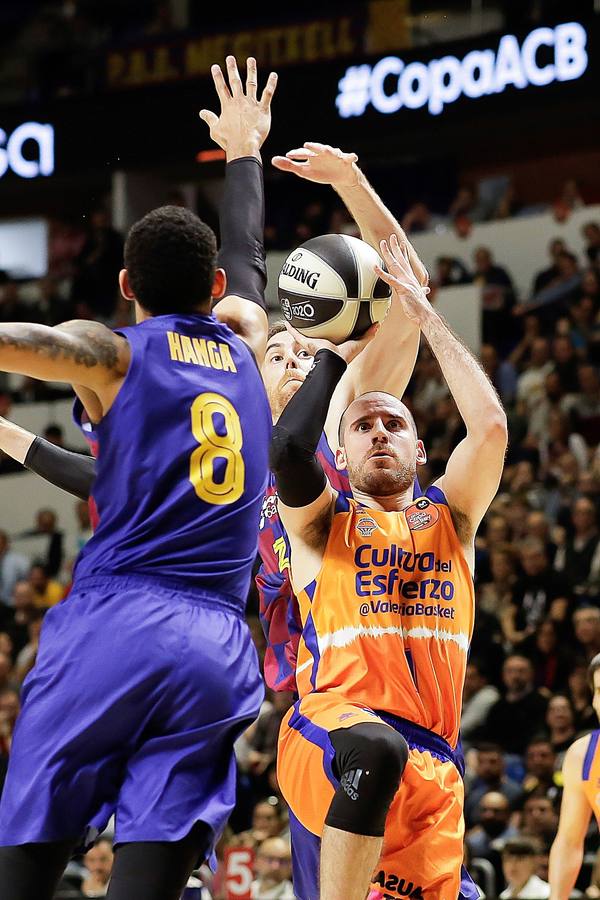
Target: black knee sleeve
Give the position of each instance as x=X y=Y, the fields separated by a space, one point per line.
x=369 y=762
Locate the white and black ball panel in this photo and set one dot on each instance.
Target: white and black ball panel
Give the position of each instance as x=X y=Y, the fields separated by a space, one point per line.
x=328 y=288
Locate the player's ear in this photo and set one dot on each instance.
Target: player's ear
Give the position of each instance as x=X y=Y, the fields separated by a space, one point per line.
x=421 y=453
x=219 y=285
x=125 y=286
x=340 y=459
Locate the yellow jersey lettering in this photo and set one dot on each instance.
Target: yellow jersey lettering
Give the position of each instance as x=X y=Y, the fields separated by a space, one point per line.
x=200 y=352
x=188 y=350
x=213 y=355
x=226 y=359
x=175 y=346
x=200 y=348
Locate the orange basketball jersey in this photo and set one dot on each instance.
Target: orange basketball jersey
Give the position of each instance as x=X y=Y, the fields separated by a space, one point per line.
x=388 y=620
x=591 y=773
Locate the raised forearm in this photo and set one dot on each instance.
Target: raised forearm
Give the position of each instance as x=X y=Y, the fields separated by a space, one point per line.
x=375 y=220
x=473 y=393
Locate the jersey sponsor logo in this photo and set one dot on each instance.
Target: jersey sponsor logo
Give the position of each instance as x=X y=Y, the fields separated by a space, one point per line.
x=200 y=352
x=280 y=548
x=366 y=526
x=268 y=509
x=377 y=607
x=305 y=276
x=398 y=887
x=421 y=515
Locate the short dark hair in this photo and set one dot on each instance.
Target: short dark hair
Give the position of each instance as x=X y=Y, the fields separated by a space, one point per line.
x=489 y=747
x=276 y=328
x=171 y=258
x=521 y=846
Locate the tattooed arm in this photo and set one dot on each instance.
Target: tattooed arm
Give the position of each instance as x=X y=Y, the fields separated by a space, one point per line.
x=85 y=354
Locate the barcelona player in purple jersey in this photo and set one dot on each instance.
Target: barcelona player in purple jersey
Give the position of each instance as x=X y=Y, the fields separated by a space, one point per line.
x=146 y=674
x=385 y=365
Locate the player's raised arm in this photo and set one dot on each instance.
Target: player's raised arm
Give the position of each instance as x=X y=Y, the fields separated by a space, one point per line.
x=81 y=353
x=306 y=498
x=566 y=854
x=241 y=129
x=388 y=362
x=72 y=472
x=474 y=469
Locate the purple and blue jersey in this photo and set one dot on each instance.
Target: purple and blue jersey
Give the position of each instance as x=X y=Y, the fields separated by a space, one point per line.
x=182 y=460
x=279 y=610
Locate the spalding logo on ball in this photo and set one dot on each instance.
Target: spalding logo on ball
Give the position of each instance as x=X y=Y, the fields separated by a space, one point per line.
x=328 y=288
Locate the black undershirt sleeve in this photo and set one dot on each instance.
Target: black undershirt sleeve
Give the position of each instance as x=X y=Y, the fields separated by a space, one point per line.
x=73 y=472
x=299 y=475
x=242 y=223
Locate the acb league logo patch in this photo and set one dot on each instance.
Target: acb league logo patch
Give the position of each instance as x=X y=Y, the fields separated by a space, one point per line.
x=366 y=526
x=422 y=514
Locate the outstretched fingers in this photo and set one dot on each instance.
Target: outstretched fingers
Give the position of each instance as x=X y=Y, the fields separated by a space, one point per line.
x=251 y=78
x=220 y=84
x=235 y=82
x=267 y=94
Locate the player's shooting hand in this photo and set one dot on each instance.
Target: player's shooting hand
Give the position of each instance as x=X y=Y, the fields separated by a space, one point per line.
x=406 y=289
x=244 y=121
x=320 y=163
x=348 y=350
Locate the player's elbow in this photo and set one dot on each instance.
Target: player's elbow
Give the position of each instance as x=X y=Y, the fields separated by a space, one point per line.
x=496 y=426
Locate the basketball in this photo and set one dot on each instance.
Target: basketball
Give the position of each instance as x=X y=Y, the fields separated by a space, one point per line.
x=328 y=288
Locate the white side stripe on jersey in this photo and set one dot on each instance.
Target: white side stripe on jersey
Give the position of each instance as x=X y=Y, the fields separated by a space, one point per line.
x=343 y=637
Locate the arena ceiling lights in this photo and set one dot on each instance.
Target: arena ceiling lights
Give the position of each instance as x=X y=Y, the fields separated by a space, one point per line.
x=391 y=85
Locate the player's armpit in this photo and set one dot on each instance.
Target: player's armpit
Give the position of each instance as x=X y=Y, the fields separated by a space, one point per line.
x=247 y=320
x=82 y=352
x=308 y=530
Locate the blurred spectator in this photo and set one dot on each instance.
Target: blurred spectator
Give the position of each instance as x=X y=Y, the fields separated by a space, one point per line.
x=419 y=218
x=496 y=593
x=494 y=826
x=541 y=777
x=550 y=658
x=449 y=271
x=531 y=383
x=580 y=553
x=519 y=864
x=265 y=733
x=313 y=221
x=6 y=674
x=273 y=869
x=478 y=697
x=13 y=567
x=514 y=719
x=560 y=721
x=566 y=363
x=46 y=591
x=585 y=408
x=568 y=200
x=465 y=205
x=586 y=624
x=546 y=276
x=95 y=284
x=497 y=300
x=27 y=656
x=591 y=233
x=539 y=819
x=267 y=822
x=539 y=592
x=46 y=522
x=98 y=862
x=490 y=776
x=558 y=293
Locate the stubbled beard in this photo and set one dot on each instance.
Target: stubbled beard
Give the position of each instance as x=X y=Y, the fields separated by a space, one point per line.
x=382 y=482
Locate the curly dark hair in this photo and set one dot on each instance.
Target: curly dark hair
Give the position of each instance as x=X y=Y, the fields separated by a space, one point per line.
x=171 y=257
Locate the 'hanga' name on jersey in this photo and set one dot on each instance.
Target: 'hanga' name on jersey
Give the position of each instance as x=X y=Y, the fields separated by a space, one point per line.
x=200 y=352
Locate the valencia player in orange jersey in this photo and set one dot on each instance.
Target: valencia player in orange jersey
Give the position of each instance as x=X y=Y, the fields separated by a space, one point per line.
x=369 y=756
